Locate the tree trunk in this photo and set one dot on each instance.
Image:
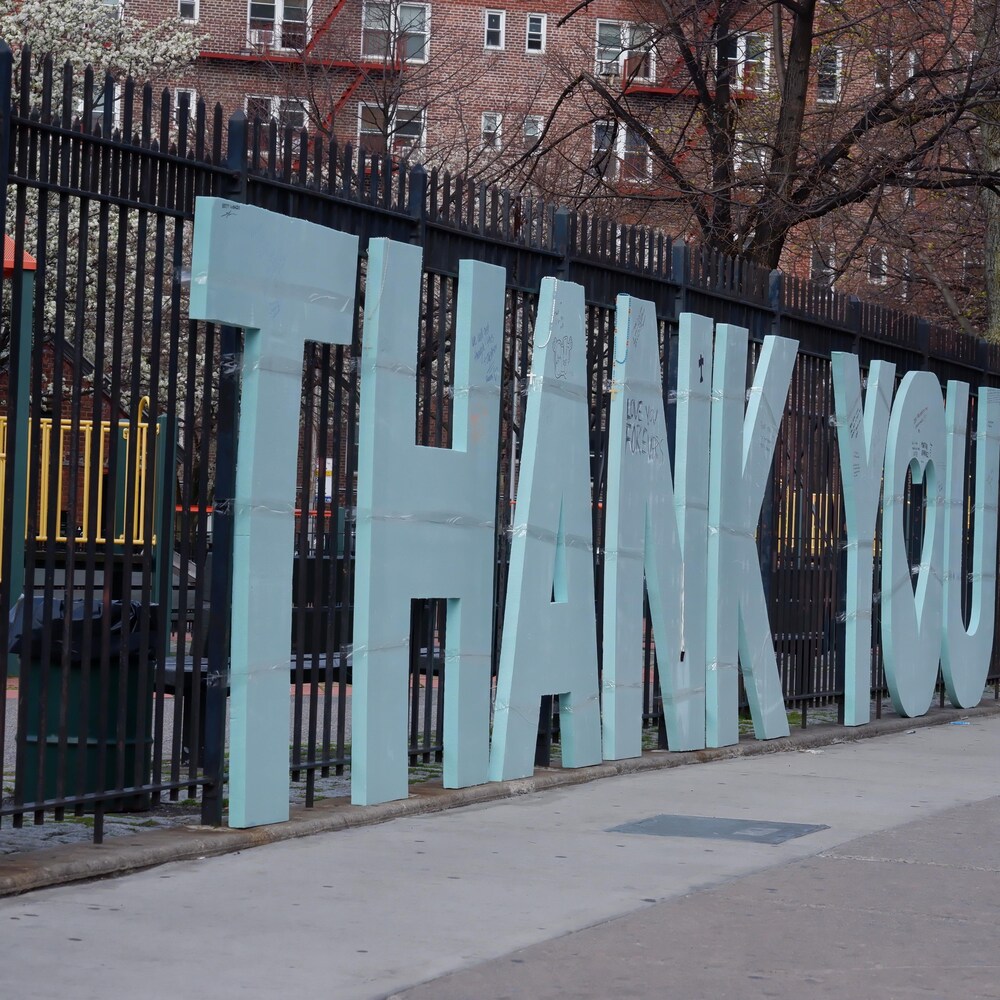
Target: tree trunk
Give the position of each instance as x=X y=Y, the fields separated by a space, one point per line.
x=990 y=153
x=775 y=216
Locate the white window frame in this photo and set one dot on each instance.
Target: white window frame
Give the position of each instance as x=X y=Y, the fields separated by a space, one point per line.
x=256 y=37
x=878 y=265
x=629 y=52
x=838 y=81
x=197 y=10
x=543 y=21
x=619 y=150
x=496 y=118
x=276 y=106
x=502 y=14
x=749 y=151
x=537 y=123
x=761 y=81
x=825 y=274
x=283 y=108
x=192 y=95
x=97 y=110
x=270 y=98
x=395 y=31
x=623 y=50
x=391 y=139
x=612 y=66
x=883 y=69
x=911 y=69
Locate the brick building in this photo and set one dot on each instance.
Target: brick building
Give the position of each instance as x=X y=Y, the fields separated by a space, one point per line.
x=522 y=94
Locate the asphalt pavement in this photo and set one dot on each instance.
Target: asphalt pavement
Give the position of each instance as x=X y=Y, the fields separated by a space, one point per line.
x=864 y=869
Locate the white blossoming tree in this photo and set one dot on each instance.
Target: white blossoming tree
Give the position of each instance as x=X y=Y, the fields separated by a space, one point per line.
x=103 y=36
x=99 y=34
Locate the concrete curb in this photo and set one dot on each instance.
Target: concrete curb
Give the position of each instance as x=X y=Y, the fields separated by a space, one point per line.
x=121 y=855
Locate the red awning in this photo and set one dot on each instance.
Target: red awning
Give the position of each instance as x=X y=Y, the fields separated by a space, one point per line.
x=28 y=262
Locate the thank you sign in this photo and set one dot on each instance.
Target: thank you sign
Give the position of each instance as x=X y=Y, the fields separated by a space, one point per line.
x=685 y=530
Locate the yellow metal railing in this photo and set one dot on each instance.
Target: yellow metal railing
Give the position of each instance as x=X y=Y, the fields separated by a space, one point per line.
x=92 y=449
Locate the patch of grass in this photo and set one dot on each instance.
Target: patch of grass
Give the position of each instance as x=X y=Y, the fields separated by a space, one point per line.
x=87 y=821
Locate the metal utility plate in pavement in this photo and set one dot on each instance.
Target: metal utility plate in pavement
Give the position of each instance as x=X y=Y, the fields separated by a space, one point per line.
x=754 y=831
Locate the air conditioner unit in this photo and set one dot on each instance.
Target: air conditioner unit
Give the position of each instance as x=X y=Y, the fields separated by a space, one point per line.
x=261 y=38
x=608 y=68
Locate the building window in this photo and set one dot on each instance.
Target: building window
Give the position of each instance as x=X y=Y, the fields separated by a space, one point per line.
x=749 y=151
x=620 y=152
x=609 y=48
x=104 y=101
x=185 y=98
x=496 y=29
x=639 y=52
x=492 y=123
x=399 y=133
x=878 y=265
x=604 y=162
x=535 y=36
x=292 y=114
x=395 y=31
x=624 y=50
x=283 y=111
x=258 y=109
x=635 y=155
x=828 y=65
x=278 y=24
x=883 y=69
x=187 y=10
x=753 y=61
x=821 y=269
x=912 y=68
x=533 y=126
x=747 y=59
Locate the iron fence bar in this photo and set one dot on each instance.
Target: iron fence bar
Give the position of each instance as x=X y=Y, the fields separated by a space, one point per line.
x=219 y=643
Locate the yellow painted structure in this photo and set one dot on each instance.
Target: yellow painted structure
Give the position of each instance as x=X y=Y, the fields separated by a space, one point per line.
x=90 y=443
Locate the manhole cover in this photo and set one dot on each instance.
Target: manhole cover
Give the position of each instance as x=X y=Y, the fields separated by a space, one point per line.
x=756 y=831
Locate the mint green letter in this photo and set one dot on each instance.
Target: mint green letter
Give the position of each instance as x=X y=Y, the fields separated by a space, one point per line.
x=861 y=433
x=285 y=281
x=642 y=537
x=425 y=523
x=912 y=620
x=966 y=653
x=741 y=455
x=549 y=630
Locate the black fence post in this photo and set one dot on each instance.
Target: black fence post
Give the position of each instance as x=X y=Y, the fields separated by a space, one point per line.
x=679 y=270
x=223 y=516
x=924 y=341
x=416 y=203
x=766 y=532
x=561 y=242
x=10 y=571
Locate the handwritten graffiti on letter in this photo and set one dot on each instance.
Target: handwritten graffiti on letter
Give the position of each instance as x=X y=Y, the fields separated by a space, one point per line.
x=644 y=431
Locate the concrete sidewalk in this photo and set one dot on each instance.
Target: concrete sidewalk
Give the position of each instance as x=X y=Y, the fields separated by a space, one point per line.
x=375 y=911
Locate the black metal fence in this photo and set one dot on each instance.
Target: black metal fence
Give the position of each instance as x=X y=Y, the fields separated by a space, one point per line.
x=120 y=416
